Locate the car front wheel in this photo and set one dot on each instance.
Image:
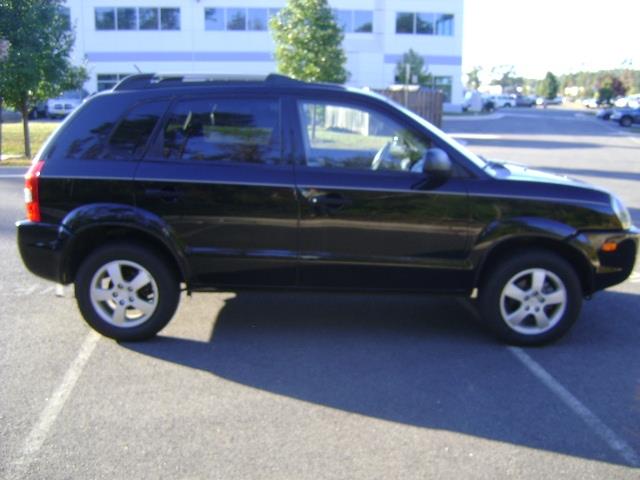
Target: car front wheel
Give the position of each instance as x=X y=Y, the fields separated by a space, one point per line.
x=626 y=121
x=531 y=298
x=126 y=292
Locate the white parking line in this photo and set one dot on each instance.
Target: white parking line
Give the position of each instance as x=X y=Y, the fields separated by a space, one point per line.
x=52 y=409
x=595 y=424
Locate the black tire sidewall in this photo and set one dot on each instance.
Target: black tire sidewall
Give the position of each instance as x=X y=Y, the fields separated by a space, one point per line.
x=490 y=292
x=165 y=278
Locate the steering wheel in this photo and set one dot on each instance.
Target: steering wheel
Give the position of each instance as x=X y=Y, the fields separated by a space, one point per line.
x=381 y=155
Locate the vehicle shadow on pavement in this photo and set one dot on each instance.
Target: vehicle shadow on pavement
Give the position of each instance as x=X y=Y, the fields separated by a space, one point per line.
x=421 y=361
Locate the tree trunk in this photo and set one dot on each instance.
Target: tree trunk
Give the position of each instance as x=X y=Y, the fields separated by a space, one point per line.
x=25 y=129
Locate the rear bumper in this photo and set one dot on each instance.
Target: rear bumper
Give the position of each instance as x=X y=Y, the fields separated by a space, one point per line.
x=614 y=267
x=41 y=247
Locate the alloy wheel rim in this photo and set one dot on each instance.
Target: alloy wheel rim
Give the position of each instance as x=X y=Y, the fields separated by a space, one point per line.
x=124 y=294
x=533 y=301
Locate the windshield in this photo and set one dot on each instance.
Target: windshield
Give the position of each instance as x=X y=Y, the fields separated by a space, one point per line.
x=479 y=162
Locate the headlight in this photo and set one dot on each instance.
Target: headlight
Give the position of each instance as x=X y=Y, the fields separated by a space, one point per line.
x=621 y=212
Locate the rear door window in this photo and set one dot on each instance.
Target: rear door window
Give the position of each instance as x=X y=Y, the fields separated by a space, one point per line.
x=238 y=130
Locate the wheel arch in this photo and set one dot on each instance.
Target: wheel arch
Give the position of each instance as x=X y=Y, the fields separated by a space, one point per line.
x=511 y=246
x=93 y=226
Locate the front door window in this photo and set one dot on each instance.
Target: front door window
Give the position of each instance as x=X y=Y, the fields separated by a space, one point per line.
x=341 y=136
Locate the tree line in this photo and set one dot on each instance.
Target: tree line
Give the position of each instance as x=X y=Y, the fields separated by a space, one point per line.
x=604 y=85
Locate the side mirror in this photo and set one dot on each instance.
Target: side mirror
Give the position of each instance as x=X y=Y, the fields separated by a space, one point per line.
x=437 y=164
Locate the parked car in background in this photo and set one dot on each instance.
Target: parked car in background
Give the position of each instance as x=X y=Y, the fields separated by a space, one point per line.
x=39 y=110
x=632 y=101
x=66 y=103
x=604 y=113
x=590 y=103
x=549 y=101
x=626 y=116
x=503 y=101
x=171 y=183
x=525 y=101
x=473 y=101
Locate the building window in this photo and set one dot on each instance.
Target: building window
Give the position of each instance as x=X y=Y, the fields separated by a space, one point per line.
x=362 y=21
x=344 y=20
x=424 y=23
x=405 y=22
x=443 y=84
x=148 y=18
x=169 y=19
x=65 y=17
x=238 y=19
x=105 y=18
x=127 y=19
x=257 y=19
x=106 y=81
x=214 y=19
x=444 y=24
x=143 y=18
x=358 y=21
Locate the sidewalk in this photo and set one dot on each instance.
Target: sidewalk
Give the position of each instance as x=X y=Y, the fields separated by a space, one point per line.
x=4 y=157
x=480 y=116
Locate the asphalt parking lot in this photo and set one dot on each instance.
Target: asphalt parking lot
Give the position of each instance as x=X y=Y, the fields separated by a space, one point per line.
x=314 y=386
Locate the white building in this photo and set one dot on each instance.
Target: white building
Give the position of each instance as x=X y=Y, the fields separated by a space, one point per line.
x=120 y=37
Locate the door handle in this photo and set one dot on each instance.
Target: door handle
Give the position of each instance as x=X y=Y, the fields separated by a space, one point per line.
x=326 y=201
x=166 y=194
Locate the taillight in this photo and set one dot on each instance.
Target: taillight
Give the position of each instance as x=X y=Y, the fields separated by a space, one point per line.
x=31 y=197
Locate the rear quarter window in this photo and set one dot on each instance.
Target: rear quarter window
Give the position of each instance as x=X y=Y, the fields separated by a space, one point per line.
x=106 y=127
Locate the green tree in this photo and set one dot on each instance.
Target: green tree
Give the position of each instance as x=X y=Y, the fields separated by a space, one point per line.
x=549 y=87
x=309 y=42
x=610 y=87
x=505 y=76
x=473 y=78
x=417 y=74
x=38 y=64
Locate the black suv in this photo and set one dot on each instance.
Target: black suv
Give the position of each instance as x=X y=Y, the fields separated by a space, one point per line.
x=200 y=183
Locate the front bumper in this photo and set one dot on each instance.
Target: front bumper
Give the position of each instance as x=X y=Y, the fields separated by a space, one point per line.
x=616 y=266
x=41 y=247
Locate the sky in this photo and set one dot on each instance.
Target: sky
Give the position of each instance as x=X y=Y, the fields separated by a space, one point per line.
x=561 y=36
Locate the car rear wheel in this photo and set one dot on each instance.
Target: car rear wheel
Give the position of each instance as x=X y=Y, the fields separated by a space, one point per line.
x=626 y=121
x=531 y=298
x=126 y=292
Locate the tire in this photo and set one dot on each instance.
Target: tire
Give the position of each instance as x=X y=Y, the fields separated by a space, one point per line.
x=626 y=121
x=539 y=290
x=126 y=292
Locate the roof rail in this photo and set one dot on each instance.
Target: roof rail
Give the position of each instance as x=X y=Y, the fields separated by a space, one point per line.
x=150 y=80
